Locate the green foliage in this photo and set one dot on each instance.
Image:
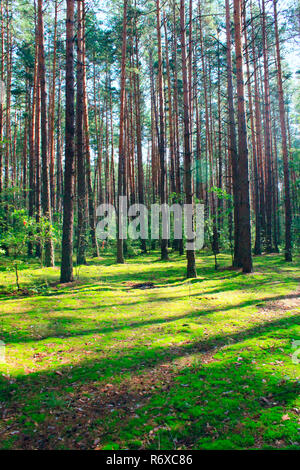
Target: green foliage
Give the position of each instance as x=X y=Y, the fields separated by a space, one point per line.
x=221 y=193
x=18 y=230
x=175 y=198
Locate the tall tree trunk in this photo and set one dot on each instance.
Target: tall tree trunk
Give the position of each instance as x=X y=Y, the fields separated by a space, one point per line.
x=268 y=144
x=161 y=139
x=287 y=196
x=59 y=170
x=112 y=158
x=188 y=186
x=46 y=203
x=25 y=145
x=244 y=202
x=260 y=220
x=52 y=113
x=37 y=144
x=122 y=165
x=32 y=152
x=8 y=94
x=68 y=218
x=1 y=92
x=257 y=248
x=141 y=187
x=176 y=121
x=81 y=166
x=90 y=194
x=233 y=144
x=170 y=116
x=220 y=161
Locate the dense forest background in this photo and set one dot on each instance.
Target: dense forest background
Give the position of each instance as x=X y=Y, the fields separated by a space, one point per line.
x=174 y=101
x=149 y=343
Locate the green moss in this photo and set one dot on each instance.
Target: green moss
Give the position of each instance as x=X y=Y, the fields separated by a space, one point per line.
x=202 y=364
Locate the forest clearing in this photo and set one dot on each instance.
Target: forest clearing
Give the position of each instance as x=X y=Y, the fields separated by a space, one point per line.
x=149 y=226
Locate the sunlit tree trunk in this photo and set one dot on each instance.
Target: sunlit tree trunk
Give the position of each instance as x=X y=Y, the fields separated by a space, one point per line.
x=8 y=93
x=243 y=202
x=141 y=187
x=178 y=178
x=188 y=186
x=2 y=92
x=68 y=218
x=32 y=153
x=268 y=145
x=287 y=196
x=122 y=161
x=90 y=193
x=46 y=203
x=257 y=248
x=233 y=142
x=81 y=163
x=52 y=114
x=161 y=140
x=59 y=169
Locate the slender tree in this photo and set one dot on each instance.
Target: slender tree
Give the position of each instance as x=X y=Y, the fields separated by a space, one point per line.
x=141 y=186
x=1 y=92
x=233 y=142
x=46 y=202
x=287 y=196
x=243 y=201
x=81 y=161
x=68 y=216
x=52 y=112
x=161 y=134
x=122 y=163
x=188 y=186
x=90 y=195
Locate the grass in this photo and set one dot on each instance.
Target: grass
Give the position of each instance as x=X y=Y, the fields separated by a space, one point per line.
x=202 y=364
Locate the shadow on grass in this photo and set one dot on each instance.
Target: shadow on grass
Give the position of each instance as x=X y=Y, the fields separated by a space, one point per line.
x=167 y=274
x=61 y=327
x=58 y=394
x=207 y=391
x=153 y=356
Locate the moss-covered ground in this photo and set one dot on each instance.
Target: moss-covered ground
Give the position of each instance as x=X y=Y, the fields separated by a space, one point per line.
x=201 y=364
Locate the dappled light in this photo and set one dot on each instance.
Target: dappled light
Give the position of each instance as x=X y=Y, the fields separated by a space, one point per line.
x=197 y=353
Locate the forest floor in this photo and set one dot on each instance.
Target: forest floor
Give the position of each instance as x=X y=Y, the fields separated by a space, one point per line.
x=107 y=363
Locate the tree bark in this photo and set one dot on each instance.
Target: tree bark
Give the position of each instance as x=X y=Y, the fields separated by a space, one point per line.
x=46 y=203
x=287 y=195
x=90 y=194
x=81 y=166
x=53 y=193
x=161 y=135
x=188 y=186
x=141 y=188
x=122 y=166
x=243 y=202
x=2 y=93
x=268 y=144
x=233 y=144
x=68 y=217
